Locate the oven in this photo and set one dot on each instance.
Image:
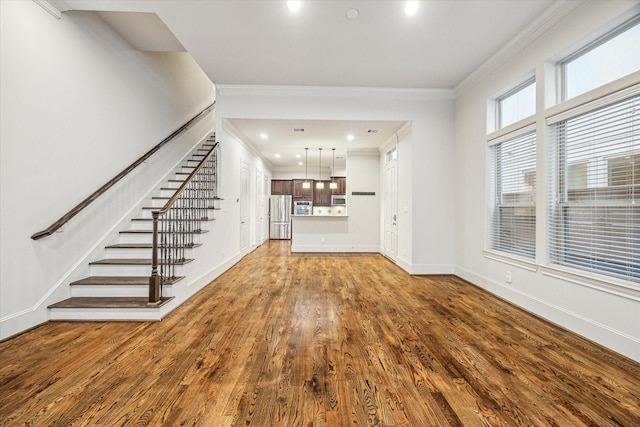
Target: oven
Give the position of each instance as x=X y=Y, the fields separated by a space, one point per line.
x=301 y=207
x=338 y=200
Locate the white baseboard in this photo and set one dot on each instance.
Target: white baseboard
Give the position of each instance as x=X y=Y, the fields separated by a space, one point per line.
x=335 y=248
x=611 y=338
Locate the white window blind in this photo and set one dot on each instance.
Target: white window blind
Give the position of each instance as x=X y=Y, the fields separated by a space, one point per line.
x=513 y=184
x=594 y=194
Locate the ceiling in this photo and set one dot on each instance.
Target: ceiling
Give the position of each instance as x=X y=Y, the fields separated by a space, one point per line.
x=262 y=42
x=286 y=140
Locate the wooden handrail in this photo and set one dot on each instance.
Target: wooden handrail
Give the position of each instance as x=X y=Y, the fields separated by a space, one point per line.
x=73 y=212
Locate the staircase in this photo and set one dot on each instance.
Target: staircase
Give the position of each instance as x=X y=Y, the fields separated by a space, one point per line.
x=118 y=285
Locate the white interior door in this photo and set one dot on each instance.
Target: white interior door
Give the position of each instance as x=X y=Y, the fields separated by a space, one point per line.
x=265 y=208
x=259 y=207
x=245 y=197
x=391 y=210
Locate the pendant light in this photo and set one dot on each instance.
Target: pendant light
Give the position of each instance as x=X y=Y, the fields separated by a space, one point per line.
x=306 y=183
x=334 y=184
x=320 y=184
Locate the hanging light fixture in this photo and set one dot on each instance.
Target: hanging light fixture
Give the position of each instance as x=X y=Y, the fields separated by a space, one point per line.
x=306 y=183
x=334 y=184
x=320 y=184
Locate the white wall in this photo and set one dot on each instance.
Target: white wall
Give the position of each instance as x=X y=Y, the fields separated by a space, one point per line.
x=604 y=317
x=77 y=105
x=427 y=246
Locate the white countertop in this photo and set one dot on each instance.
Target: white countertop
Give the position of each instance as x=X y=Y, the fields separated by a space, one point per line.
x=326 y=211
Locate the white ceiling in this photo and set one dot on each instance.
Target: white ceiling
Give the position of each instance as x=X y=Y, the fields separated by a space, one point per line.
x=283 y=144
x=261 y=42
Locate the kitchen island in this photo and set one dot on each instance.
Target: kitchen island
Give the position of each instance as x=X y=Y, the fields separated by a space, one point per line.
x=328 y=229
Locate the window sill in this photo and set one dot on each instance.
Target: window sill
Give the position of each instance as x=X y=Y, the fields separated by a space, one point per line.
x=593 y=281
x=514 y=260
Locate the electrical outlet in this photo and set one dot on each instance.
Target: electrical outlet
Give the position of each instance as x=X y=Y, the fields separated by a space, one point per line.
x=509 y=277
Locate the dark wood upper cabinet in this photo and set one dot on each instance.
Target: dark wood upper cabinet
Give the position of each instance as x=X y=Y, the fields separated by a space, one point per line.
x=300 y=193
x=342 y=185
x=281 y=187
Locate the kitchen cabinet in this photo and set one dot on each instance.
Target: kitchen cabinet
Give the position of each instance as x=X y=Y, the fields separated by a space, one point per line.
x=322 y=196
x=342 y=185
x=300 y=193
x=281 y=187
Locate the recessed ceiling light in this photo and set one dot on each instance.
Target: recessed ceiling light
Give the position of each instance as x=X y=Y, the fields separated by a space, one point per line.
x=264 y=136
x=350 y=137
x=300 y=163
x=277 y=155
x=352 y=14
x=298 y=156
x=293 y=6
x=411 y=7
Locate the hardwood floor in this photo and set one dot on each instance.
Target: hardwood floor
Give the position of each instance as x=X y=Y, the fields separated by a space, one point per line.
x=319 y=340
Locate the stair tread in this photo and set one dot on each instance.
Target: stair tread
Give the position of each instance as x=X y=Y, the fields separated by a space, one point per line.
x=148 y=246
x=134 y=261
x=157 y=208
x=151 y=232
x=109 y=302
x=120 y=280
x=205 y=219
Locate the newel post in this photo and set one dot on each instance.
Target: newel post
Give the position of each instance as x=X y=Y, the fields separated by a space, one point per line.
x=154 y=280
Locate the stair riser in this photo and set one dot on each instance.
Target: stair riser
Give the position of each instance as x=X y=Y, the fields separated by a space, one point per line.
x=116 y=291
x=172 y=184
x=134 y=238
x=106 y=314
x=156 y=203
x=172 y=190
x=167 y=193
x=148 y=225
x=127 y=270
x=138 y=253
x=147 y=213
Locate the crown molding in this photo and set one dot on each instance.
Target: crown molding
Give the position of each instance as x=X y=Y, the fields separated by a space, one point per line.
x=550 y=18
x=54 y=7
x=334 y=92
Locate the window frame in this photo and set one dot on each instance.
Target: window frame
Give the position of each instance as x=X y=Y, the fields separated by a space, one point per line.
x=530 y=80
x=600 y=270
x=605 y=38
x=497 y=204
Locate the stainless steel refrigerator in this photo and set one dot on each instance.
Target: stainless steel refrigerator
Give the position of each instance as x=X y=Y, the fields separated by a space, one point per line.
x=280 y=217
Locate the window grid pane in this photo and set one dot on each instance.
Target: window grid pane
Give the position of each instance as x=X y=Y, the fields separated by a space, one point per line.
x=513 y=226
x=594 y=205
x=517 y=105
x=604 y=63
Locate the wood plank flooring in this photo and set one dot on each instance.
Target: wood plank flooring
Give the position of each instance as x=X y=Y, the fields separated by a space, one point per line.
x=319 y=340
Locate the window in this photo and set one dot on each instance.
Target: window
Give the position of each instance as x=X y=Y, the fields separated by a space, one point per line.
x=609 y=59
x=594 y=203
x=513 y=173
x=516 y=104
